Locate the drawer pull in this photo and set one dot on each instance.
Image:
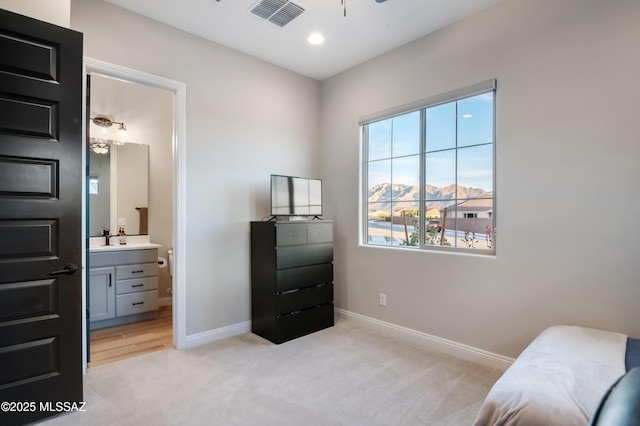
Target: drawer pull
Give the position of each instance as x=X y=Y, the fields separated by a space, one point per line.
x=138 y=272
x=137 y=303
x=137 y=285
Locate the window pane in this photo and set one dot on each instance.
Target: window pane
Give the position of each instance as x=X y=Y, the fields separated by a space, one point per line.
x=379 y=223
x=475 y=167
x=475 y=223
x=378 y=180
x=475 y=120
x=440 y=169
x=406 y=178
x=379 y=141
x=94 y=185
x=406 y=134
x=434 y=224
x=441 y=127
x=406 y=224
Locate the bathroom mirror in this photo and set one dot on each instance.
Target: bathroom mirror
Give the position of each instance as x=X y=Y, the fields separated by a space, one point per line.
x=118 y=190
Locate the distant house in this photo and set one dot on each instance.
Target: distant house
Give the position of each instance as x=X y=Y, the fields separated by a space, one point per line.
x=471 y=215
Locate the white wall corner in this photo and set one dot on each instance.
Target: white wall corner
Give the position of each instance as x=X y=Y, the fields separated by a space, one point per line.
x=458 y=350
x=210 y=336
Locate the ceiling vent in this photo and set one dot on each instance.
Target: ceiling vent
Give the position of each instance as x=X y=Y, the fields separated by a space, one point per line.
x=279 y=12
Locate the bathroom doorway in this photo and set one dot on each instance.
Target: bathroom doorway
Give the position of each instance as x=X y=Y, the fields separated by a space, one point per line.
x=148 y=107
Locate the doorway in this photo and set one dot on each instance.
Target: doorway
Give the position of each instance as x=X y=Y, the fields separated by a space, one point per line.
x=110 y=76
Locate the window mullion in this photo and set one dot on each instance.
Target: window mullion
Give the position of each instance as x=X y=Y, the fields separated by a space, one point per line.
x=365 y=183
x=455 y=198
x=422 y=211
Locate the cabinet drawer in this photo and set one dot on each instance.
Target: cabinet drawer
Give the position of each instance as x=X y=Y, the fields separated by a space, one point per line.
x=304 y=276
x=289 y=234
x=305 y=322
x=320 y=232
x=312 y=254
x=136 y=284
x=123 y=257
x=303 y=299
x=136 y=303
x=136 y=271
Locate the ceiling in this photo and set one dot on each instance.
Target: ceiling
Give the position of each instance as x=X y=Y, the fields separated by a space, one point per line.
x=368 y=29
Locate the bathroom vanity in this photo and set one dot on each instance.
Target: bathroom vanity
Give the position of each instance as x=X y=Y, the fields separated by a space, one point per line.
x=123 y=284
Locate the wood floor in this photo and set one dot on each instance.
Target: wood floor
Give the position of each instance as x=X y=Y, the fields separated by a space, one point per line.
x=126 y=341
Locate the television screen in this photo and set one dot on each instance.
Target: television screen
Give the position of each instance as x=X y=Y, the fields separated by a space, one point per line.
x=295 y=196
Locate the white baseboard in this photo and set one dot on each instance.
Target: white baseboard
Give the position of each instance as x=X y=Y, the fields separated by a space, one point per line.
x=198 y=339
x=431 y=342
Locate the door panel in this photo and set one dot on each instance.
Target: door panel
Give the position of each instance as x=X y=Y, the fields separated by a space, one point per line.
x=40 y=215
x=28 y=178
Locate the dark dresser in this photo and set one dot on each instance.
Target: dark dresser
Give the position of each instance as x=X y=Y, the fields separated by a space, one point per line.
x=291 y=278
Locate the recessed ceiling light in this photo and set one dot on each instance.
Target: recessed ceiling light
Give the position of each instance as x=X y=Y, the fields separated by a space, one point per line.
x=315 y=38
x=467 y=116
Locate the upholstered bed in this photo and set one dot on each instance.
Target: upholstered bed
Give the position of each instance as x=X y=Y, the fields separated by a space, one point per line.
x=560 y=378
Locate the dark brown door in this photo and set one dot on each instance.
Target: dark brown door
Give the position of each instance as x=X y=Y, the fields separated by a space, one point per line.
x=40 y=219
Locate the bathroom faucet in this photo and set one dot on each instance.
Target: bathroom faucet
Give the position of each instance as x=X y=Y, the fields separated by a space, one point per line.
x=105 y=233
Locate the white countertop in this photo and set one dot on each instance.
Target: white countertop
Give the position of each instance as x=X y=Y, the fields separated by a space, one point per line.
x=128 y=246
x=134 y=242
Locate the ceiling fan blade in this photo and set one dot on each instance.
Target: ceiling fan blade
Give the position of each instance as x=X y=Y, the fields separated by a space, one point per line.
x=380 y=1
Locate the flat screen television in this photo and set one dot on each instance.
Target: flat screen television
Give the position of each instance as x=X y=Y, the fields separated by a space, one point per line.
x=295 y=196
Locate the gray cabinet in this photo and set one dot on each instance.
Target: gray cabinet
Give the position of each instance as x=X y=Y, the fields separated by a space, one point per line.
x=291 y=278
x=102 y=294
x=123 y=287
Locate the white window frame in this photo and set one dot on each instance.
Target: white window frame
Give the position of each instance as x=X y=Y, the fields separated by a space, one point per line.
x=452 y=96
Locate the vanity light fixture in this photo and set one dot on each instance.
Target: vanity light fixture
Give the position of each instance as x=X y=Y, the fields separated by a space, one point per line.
x=104 y=123
x=101 y=145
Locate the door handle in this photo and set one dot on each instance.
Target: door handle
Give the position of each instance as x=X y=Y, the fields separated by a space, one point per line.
x=69 y=269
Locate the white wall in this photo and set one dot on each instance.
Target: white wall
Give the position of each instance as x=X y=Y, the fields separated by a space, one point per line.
x=57 y=12
x=567 y=166
x=245 y=120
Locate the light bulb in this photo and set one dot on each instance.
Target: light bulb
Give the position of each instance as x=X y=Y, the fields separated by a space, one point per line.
x=315 y=38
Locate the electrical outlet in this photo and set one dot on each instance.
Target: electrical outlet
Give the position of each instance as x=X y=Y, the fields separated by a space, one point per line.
x=383 y=299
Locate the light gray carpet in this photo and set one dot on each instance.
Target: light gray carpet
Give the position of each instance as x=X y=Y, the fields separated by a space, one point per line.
x=344 y=375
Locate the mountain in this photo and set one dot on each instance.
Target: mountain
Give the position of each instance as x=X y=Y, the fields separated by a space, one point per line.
x=385 y=193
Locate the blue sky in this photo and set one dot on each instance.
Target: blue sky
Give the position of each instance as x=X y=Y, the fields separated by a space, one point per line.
x=400 y=137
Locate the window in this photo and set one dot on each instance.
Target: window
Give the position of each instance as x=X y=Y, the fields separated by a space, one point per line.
x=94 y=183
x=429 y=173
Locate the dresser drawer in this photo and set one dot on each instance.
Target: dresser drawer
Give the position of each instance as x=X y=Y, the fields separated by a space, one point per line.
x=290 y=234
x=311 y=254
x=320 y=232
x=304 y=276
x=136 y=284
x=304 y=299
x=305 y=322
x=136 y=271
x=136 y=303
